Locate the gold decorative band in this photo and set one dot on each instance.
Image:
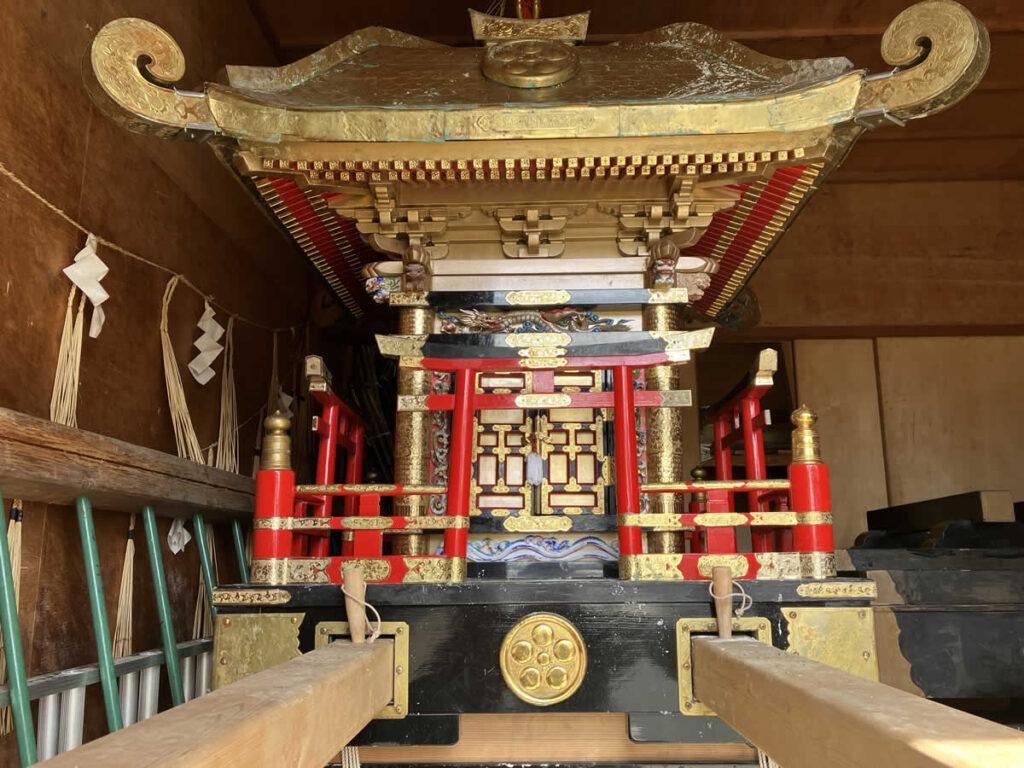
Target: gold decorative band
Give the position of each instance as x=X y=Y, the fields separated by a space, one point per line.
x=538 y=339
x=791 y=518
x=421 y=523
x=542 y=362
x=250 y=597
x=408 y=299
x=719 y=519
x=355 y=488
x=557 y=400
x=716 y=485
x=839 y=589
x=537 y=298
x=285 y=570
x=772 y=565
x=537 y=523
x=309 y=570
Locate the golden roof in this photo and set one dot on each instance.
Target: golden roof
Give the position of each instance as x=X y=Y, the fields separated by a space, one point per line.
x=548 y=149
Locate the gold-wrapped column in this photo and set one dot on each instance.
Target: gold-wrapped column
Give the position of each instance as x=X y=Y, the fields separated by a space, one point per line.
x=664 y=435
x=412 y=436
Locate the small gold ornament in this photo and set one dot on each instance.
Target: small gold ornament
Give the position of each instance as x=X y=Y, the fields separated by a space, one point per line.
x=543 y=659
x=530 y=63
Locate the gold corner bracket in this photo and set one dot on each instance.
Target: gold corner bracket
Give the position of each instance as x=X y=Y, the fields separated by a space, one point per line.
x=759 y=627
x=398 y=631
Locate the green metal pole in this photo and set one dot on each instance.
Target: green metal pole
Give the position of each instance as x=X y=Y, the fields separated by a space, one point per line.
x=239 y=536
x=100 y=627
x=163 y=607
x=199 y=528
x=16 y=682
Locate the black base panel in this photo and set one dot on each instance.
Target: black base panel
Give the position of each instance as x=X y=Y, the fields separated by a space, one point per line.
x=555 y=765
x=674 y=728
x=537 y=569
x=418 y=730
x=550 y=587
x=580 y=523
x=1010 y=559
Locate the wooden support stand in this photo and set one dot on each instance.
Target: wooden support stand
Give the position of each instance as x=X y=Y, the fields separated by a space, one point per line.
x=856 y=723
x=300 y=713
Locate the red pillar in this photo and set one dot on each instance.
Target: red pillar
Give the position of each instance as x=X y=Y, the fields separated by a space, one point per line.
x=719 y=539
x=275 y=497
x=809 y=491
x=460 y=461
x=369 y=543
x=627 y=478
x=753 y=449
x=354 y=462
x=326 y=460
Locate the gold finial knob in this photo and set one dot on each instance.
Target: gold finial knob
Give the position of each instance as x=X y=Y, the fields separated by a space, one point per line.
x=805 y=436
x=699 y=475
x=276 y=452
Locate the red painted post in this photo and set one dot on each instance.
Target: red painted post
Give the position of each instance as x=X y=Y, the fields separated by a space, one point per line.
x=369 y=543
x=326 y=459
x=627 y=478
x=275 y=491
x=460 y=461
x=753 y=450
x=809 y=488
x=354 y=462
x=275 y=497
x=719 y=539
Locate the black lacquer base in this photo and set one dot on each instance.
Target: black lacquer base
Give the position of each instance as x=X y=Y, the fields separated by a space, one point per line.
x=456 y=631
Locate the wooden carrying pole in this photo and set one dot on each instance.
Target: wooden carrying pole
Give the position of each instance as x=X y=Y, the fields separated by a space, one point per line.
x=806 y=715
x=300 y=713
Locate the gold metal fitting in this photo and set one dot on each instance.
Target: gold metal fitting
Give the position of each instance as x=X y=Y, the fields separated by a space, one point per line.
x=276 y=452
x=805 y=437
x=699 y=475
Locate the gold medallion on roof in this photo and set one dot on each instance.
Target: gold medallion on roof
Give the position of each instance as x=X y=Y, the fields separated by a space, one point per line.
x=530 y=63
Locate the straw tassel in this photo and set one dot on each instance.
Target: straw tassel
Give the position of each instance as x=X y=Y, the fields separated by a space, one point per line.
x=184 y=432
x=64 y=399
x=123 y=624
x=14 y=543
x=202 y=621
x=227 y=435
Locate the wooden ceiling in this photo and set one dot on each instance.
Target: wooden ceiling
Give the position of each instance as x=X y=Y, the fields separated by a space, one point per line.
x=979 y=139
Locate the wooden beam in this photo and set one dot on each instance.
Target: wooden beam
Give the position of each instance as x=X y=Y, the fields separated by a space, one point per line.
x=47 y=462
x=300 y=713
x=805 y=714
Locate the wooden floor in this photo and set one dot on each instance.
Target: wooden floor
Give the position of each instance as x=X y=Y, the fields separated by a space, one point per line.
x=554 y=737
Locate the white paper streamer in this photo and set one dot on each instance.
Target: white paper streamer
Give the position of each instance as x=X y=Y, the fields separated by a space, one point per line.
x=209 y=346
x=284 y=403
x=178 y=537
x=86 y=272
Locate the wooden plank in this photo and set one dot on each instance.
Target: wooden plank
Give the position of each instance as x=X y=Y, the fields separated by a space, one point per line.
x=553 y=737
x=300 y=713
x=47 y=462
x=856 y=723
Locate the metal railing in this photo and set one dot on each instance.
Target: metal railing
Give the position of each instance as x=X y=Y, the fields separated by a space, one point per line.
x=130 y=685
x=61 y=695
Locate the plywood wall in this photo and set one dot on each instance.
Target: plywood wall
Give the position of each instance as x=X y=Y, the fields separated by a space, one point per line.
x=953 y=414
x=884 y=255
x=914 y=418
x=836 y=379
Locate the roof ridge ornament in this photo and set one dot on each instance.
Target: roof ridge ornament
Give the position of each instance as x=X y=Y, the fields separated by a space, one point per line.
x=940 y=52
x=492 y=29
x=529 y=53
